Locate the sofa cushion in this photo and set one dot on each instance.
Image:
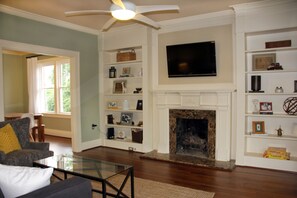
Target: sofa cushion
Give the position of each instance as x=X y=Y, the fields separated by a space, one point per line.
x=21 y=128
x=16 y=180
x=26 y=157
x=8 y=139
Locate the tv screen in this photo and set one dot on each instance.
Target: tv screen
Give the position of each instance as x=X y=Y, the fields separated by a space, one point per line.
x=192 y=59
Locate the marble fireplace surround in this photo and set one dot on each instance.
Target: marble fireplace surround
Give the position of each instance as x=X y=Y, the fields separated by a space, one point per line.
x=218 y=101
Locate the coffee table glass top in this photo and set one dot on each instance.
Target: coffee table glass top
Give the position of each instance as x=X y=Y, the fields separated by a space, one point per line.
x=95 y=169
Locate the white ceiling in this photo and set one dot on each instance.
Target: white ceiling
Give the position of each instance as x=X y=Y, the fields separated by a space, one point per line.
x=56 y=8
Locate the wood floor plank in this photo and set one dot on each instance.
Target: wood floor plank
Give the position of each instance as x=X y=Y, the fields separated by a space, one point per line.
x=243 y=182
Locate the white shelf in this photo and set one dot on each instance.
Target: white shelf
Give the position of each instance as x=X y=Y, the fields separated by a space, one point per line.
x=274 y=137
x=123 y=144
x=271 y=115
x=271 y=93
x=123 y=110
x=124 y=126
x=272 y=71
x=257 y=160
x=124 y=95
x=271 y=49
x=260 y=155
x=123 y=63
x=124 y=78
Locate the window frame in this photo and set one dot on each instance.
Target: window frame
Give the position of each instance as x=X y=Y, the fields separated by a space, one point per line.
x=56 y=62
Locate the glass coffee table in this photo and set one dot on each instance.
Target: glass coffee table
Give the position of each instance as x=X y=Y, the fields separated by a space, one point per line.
x=91 y=169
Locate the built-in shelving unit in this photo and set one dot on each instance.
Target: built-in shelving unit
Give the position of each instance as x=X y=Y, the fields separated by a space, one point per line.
x=116 y=94
x=256 y=144
x=266 y=29
x=124 y=97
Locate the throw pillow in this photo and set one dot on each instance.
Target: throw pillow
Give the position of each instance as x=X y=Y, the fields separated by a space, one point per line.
x=8 y=139
x=17 y=180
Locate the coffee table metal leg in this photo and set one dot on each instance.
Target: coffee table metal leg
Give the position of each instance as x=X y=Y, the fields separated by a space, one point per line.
x=132 y=181
x=103 y=189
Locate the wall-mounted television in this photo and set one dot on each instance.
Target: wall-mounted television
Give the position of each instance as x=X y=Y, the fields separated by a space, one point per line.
x=191 y=59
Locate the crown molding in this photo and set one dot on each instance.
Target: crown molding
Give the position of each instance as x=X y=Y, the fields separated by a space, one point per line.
x=44 y=19
x=197 y=21
x=242 y=8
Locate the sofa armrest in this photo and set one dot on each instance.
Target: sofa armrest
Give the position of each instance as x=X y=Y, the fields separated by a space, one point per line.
x=44 y=146
x=75 y=187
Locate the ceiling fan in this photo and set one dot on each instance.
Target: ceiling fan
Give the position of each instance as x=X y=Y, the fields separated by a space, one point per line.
x=126 y=10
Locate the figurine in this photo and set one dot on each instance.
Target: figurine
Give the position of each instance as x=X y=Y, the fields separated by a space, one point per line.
x=255 y=102
x=124 y=89
x=279 y=131
x=279 y=90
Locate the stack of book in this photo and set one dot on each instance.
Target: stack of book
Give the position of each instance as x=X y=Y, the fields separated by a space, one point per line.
x=277 y=153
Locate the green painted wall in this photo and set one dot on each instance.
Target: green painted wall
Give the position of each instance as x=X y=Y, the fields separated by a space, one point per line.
x=23 y=30
x=15 y=84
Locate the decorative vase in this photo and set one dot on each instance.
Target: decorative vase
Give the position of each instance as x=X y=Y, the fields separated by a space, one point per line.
x=256 y=83
x=125 y=105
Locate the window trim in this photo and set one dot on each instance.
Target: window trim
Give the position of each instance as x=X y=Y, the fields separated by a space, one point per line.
x=56 y=61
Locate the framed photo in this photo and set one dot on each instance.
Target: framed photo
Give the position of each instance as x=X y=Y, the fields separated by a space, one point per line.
x=126 y=71
x=262 y=61
x=266 y=108
x=121 y=135
x=126 y=118
x=258 y=127
x=119 y=86
x=112 y=105
x=139 y=105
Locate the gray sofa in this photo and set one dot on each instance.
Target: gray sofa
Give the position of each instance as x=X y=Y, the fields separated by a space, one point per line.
x=75 y=187
x=30 y=152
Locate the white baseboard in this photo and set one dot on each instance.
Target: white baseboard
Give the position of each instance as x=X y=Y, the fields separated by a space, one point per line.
x=67 y=134
x=91 y=144
x=59 y=133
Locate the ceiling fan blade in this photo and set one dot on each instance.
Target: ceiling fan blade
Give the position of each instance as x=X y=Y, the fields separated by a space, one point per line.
x=155 y=8
x=119 y=3
x=109 y=23
x=86 y=12
x=144 y=19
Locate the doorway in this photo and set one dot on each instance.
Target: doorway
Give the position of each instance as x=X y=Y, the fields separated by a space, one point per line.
x=74 y=73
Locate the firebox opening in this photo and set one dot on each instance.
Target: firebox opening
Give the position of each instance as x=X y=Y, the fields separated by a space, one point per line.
x=192 y=137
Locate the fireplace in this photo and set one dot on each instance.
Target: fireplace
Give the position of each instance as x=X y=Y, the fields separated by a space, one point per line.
x=191 y=137
x=215 y=106
x=192 y=132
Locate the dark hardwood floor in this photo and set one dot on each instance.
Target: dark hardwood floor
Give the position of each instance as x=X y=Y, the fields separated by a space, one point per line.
x=243 y=182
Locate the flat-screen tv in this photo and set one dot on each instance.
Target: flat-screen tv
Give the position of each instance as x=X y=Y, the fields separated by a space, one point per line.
x=191 y=59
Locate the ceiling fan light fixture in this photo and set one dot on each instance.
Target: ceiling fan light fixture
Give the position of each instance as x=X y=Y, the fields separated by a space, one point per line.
x=123 y=14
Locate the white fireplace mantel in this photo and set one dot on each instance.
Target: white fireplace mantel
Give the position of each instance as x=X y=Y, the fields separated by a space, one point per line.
x=220 y=101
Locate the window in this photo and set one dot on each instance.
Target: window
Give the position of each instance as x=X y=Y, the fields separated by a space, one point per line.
x=55 y=86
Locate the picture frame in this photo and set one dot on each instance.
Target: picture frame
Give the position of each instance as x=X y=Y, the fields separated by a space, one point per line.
x=262 y=61
x=126 y=118
x=126 y=71
x=265 y=108
x=119 y=86
x=258 y=127
x=139 y=105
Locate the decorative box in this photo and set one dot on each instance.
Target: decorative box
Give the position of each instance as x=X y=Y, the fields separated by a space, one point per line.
x=137 y=135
